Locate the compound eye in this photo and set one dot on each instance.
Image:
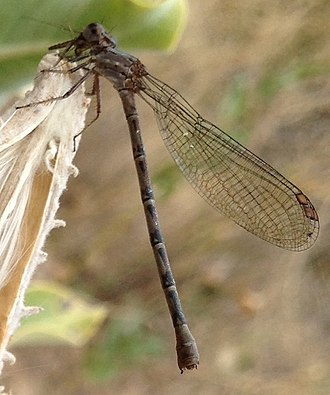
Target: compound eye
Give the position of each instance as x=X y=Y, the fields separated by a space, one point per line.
x=93 y=32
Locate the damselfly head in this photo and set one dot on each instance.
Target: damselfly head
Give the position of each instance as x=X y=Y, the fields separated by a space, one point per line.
x=94 y=39
x=95 y=35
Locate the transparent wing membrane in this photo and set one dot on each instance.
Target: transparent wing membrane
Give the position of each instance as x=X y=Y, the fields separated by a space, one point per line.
x=230 y=177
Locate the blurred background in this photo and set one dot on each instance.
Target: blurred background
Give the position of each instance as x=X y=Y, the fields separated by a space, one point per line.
x=260 y=315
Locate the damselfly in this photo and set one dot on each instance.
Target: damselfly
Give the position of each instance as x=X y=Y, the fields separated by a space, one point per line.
x=227 y=175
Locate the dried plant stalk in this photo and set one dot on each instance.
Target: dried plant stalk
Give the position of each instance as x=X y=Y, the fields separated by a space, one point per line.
x=36 y=153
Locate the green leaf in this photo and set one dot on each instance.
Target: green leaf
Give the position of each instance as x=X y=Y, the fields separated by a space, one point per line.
x=29 y=27
x=124 y=344
x=66 y=317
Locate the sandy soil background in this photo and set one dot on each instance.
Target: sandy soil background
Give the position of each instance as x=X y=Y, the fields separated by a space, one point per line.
x=261 y=316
